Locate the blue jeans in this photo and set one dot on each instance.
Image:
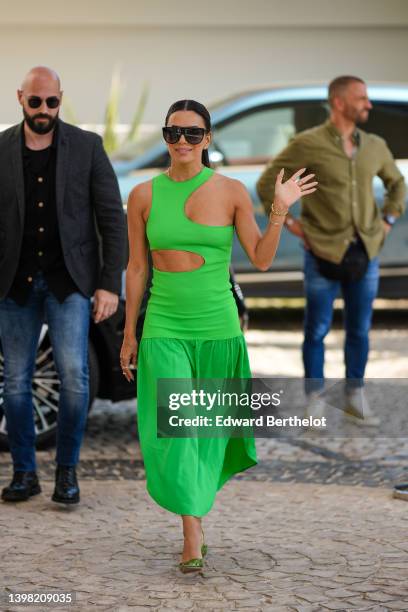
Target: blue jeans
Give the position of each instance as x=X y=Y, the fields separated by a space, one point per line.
x=68 y=327
x=358 y=306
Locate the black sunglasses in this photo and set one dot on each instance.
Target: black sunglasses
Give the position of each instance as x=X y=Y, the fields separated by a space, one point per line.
x=36 y=101
x=193 y=135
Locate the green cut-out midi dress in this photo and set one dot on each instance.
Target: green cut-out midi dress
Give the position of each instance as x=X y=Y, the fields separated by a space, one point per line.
x=191 y=330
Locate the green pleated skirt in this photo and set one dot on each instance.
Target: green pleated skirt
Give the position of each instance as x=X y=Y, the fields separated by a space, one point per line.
x=183 y=475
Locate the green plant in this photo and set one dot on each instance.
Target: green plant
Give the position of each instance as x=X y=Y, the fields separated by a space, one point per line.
x=110 y=138
x=137 y=118
x=111 y=141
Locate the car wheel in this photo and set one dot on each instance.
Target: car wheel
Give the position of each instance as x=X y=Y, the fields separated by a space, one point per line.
x=46 y=392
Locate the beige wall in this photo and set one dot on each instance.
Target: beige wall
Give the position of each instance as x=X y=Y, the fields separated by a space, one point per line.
x=204 y=50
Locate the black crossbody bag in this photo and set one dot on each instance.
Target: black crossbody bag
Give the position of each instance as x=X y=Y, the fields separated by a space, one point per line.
x=352 y=267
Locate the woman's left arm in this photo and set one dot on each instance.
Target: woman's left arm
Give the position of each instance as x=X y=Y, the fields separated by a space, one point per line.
x=261 y=249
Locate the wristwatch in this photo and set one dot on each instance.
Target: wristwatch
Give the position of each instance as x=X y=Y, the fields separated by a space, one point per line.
x=390 y=219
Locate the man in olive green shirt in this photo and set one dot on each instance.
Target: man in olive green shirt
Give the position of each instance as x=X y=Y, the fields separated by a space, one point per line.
x=341 y=218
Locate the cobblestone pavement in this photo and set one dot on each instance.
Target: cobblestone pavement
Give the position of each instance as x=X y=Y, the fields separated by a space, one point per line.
x=313 y=527
x=272 y=547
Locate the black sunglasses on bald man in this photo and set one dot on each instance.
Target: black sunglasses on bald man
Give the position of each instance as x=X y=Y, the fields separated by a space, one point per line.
x=36 y=101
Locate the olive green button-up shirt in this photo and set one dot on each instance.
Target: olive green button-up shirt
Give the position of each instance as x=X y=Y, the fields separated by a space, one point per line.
x=343 y=203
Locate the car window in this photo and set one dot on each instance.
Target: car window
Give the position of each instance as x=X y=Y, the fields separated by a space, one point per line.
x=257 y=136
x=390 y=121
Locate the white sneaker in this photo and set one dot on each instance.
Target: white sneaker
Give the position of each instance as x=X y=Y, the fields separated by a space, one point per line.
x=358 y=410
x=316 y=408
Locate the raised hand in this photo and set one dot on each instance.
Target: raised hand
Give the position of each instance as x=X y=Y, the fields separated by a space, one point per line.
x=294 y=188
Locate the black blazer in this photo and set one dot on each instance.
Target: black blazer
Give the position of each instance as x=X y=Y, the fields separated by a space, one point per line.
x=90 y=214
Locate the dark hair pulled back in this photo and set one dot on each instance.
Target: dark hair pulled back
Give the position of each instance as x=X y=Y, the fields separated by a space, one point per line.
x=192 y=105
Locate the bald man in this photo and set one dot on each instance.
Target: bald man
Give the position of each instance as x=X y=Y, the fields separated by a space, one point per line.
x=59 y=199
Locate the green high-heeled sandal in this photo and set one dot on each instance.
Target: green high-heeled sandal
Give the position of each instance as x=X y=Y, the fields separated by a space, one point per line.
x=195 y=564
x=204 y=547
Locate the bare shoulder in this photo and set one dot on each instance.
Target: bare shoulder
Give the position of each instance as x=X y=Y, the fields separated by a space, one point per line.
x=141 y=196
x=232 y=187
x=141 y=192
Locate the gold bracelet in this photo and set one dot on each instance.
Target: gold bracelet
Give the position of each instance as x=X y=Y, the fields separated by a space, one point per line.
x=278 y=212
x=281 y=222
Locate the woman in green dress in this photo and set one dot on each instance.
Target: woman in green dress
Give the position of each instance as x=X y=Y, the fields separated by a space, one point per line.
x=186 y=217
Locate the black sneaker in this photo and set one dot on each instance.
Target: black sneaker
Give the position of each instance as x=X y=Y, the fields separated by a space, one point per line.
x=22 y=487
x=401 y=491
x=66 y=485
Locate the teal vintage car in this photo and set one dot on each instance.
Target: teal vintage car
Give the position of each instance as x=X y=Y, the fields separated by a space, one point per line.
x=250 y=128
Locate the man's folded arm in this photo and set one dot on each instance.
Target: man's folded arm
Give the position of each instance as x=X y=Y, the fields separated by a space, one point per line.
x=396 y=189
